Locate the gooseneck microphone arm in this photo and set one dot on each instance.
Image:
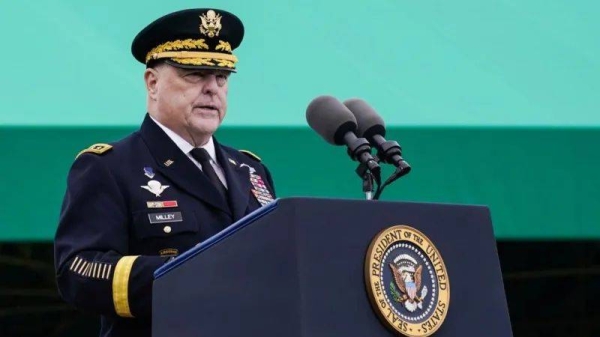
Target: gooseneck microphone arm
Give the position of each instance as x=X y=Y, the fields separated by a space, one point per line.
x=390 y=152
x=359 y=149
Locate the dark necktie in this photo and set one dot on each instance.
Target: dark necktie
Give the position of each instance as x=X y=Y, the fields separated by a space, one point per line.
x=202 y=156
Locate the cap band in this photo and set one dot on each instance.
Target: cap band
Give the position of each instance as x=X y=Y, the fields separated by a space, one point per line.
x=194 y=54
x=176 y=51
x=177 y=45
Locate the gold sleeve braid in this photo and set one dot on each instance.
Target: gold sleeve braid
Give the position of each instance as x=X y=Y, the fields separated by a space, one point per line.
x=120 y=285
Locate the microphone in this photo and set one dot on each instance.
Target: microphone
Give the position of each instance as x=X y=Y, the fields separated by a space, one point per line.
x=372 y=127
x=336 y=124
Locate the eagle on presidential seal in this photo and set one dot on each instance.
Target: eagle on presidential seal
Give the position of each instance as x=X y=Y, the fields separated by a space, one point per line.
x=407 y=277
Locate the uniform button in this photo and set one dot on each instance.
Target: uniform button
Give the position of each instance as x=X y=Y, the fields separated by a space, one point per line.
x=167 y=229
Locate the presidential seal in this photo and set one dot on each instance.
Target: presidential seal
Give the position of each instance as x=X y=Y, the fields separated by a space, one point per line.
x=407 y=281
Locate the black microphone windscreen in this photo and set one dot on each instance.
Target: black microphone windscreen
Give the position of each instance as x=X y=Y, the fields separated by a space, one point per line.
x=369 y=122
x=330 y=119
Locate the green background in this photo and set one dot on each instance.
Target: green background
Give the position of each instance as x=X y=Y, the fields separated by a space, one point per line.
x=494 y=102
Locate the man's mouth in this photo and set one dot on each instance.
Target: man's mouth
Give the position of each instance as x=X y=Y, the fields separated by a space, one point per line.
x=208 y=107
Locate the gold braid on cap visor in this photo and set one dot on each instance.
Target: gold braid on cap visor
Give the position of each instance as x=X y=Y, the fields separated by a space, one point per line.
x=176 y=51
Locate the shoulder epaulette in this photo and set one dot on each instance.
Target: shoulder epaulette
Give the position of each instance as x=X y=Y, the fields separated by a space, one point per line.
x=99 y=148
x=251 y=155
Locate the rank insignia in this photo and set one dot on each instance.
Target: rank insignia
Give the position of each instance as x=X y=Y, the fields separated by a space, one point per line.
x=148 y=172
x=407 y=281
x=155 y=187
x=99 y=148
x=259 y=189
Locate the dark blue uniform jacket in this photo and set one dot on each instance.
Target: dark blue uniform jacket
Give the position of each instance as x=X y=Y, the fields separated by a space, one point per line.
x=116 y=228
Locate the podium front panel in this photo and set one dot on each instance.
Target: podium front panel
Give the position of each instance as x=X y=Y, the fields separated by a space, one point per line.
x=299 y=271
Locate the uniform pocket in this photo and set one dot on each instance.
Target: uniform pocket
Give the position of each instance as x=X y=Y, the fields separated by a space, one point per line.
x=163 y=223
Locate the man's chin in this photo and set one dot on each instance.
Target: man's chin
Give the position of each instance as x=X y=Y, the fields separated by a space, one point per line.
x=206 y=127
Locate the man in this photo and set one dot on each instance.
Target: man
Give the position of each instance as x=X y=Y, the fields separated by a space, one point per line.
x=132 y=205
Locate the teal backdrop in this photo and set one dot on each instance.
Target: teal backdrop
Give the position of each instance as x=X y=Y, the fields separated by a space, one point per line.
x=494 y=102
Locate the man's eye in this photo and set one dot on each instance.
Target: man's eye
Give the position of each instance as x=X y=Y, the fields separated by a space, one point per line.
x=195 y=75
x=222 y=79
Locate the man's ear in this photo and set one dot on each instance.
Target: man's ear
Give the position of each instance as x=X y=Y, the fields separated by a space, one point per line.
x=151 y=80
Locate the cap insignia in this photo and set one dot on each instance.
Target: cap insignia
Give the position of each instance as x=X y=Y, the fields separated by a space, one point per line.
x=211 y=24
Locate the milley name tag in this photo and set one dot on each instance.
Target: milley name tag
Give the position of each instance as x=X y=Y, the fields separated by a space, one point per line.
x=165 y=217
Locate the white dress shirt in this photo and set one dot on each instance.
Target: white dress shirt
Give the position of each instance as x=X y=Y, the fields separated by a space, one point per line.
x=187 y=148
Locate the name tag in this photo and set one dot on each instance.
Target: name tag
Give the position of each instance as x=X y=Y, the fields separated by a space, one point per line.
x=165 y=217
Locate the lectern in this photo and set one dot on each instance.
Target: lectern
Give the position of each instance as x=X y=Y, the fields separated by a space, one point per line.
x=303 y=267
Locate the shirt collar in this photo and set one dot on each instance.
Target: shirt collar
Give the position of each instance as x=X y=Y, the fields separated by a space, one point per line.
x=183 y=144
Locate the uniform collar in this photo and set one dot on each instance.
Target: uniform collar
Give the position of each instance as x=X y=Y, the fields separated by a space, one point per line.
x=184 y=145
x=176 y=166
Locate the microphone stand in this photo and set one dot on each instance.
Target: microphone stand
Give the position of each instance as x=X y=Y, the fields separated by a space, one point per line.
x=368 y=170
x=367 y=177
x=367 y=180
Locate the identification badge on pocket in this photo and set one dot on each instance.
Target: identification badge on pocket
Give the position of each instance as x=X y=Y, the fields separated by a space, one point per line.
x=165 y=217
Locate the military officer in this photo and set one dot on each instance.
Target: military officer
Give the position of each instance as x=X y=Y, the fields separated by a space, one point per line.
x=132 y=205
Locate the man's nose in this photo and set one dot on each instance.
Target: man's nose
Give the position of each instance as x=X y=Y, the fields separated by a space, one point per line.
x=210 y=85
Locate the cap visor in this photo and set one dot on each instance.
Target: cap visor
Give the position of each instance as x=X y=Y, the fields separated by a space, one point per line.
x=199 y=67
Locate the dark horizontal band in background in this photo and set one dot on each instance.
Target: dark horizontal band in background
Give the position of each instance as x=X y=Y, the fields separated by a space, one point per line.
x=539 y=183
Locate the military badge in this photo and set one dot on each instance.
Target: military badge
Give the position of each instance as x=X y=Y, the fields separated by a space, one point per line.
x=211 y=24
x=168 y=252
x=161 y=204
x=155 y=187
x=259 y=188
x=407 y=281
x=148 y=172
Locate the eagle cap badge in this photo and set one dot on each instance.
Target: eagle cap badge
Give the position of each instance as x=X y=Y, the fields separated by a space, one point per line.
x=407 y=281
x=211 y=23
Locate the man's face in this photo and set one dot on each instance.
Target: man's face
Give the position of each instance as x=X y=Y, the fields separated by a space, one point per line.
x=192 y=103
